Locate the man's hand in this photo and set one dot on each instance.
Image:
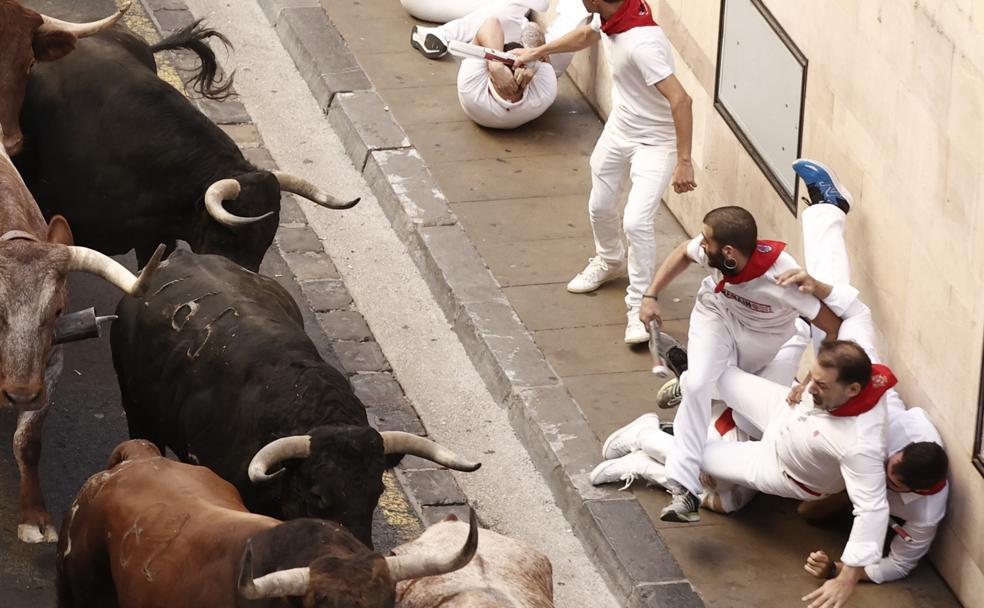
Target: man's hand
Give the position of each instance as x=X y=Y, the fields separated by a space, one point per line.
x=683 y=177
x=796 y=393
x=835 y=592
x=503 y=81
x=800 y=277
x=523 y=76
x=527 y=56
x=819 y=565
x=649 y=310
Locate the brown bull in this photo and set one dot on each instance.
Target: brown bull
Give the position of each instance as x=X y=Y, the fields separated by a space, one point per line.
x=35 y=259
x=155 y=533
x=26 y=37
x=505 y=573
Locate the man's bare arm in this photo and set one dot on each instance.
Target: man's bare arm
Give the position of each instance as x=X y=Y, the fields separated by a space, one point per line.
x=579 y=38
x=828 y=322
x=683 y=121
x=672 y=267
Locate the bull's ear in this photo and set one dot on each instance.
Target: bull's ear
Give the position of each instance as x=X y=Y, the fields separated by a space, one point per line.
x=49 y=46
x=59 y=232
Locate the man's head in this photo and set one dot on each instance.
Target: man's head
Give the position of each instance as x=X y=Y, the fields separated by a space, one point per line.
x=841 y=370
x=730 y=236
x=606 y=8
x=918 y=466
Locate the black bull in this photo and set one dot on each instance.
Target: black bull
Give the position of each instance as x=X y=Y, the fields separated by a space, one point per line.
x=213 y=362
x=130 y=162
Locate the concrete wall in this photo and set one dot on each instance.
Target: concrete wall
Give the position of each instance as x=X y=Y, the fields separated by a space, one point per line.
x=895 y=103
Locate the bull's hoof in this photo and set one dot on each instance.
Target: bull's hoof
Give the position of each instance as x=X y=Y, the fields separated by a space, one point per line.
x=37 y=533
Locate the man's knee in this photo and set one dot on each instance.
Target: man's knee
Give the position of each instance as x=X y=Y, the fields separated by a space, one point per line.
x=637 y=227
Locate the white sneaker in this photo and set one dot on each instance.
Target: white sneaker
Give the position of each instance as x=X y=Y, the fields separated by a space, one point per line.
x=626 y=439
x=595 y=274
x=628 y=468
x=431 y=42
x=635 y=331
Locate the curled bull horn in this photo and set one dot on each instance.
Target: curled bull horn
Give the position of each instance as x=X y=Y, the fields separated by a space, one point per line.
x=225 y=190
x=83 y=259
x=398 y=442
x=82 y=30
x=278 y=450
x=302 y=187
x=283 y=583
x=404 y=567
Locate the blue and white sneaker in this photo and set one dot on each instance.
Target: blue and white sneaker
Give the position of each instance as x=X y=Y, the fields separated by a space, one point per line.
x=822 y=185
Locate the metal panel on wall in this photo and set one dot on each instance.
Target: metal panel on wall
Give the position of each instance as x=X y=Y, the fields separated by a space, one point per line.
x=761 y=81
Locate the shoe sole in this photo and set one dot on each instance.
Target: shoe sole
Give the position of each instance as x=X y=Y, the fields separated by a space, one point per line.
x=833 y=178
x=422 y=48
x=673 y=516
x=608 y=442
x=637 y=340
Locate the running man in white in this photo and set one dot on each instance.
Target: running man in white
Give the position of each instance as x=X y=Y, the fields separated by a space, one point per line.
x=742 y=317
x=648 y=135
x=492 y=94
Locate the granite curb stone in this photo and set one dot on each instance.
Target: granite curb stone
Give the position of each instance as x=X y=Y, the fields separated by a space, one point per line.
x=515 y=371
x=298 y=251
x=364 y=124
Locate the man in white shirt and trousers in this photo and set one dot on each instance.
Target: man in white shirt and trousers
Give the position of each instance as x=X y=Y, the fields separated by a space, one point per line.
x=648 y=135
x=491 y=94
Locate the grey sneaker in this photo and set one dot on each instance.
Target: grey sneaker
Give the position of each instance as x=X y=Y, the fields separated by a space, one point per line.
x=532 y=36
x=684 y=508
x=428 y=41
x=669 y=395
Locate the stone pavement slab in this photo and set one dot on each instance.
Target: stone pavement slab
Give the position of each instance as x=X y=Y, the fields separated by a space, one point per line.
x=514 y=232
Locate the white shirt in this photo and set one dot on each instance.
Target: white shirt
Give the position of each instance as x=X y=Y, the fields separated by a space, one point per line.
x=829 y=454
x=759 y=304
x=483 y=104
x=921 y=514
x=640 y=58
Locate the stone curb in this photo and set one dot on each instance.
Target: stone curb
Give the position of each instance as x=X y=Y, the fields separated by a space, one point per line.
x=345 y=339
x=613 y=526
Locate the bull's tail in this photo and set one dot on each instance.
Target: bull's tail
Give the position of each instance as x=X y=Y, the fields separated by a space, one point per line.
x=209 y=79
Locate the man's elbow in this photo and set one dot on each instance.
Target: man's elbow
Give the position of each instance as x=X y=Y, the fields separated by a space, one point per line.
x=682 y=102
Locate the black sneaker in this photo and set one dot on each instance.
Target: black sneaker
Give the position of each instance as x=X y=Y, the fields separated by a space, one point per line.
x=676 y=357
x=428 y=42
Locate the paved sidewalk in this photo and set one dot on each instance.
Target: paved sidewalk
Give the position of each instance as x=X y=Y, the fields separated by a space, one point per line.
x=520 y=198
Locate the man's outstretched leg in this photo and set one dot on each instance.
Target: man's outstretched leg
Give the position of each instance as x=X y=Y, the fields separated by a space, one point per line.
x=432 y=42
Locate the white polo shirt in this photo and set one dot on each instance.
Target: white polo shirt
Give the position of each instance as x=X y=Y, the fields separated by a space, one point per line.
x=829 y=454
x=921 y=513
x=483 y=104
x=640 y=58
x=759 y=304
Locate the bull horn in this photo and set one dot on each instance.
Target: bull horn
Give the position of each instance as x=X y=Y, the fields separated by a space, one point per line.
x=398 y=442
x=83 y=259
x=302 y=187
x=283 y=583
x=225 y=190
x=82 y=30
x=278 y=450
x=404 y=567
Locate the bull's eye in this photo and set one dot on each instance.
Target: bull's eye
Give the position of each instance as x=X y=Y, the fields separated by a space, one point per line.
x=30 y=66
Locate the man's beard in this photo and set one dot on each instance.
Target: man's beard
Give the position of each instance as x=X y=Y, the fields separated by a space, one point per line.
x=716 y=260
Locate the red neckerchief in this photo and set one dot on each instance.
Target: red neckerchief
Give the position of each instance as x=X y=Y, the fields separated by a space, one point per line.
x=725 y=422
x=632 y=13
x=933 y=490
x=882 y=379
x=764 y=256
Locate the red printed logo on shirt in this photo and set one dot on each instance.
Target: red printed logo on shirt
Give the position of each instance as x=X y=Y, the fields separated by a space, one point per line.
x=757 y=307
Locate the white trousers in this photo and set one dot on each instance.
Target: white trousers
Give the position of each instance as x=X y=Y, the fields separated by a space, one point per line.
x=650 y=169
x=753 y=464
x=510 y=13
x=716 y=340
x=827 y=260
